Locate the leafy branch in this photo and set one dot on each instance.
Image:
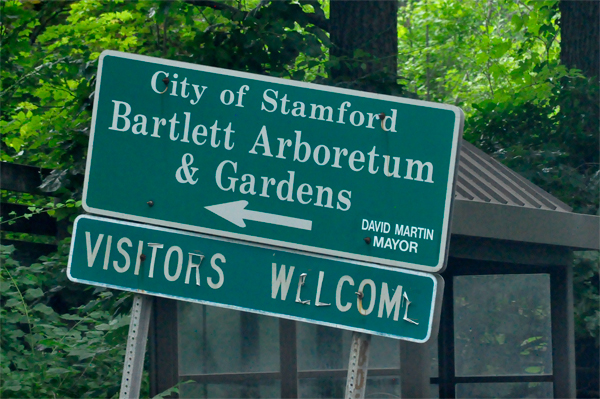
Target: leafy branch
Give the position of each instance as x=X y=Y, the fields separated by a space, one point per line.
x=49 y=208
x=35 y=71
x=317 y=19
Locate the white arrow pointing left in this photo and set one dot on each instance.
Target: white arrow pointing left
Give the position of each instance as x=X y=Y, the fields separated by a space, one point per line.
x=236 y=213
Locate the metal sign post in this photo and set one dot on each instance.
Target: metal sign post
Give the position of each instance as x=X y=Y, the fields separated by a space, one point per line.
x=133 y=366
x=356 y=384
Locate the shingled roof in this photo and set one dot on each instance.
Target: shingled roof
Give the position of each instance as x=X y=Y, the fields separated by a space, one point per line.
x=492 y=201
x=483 y=179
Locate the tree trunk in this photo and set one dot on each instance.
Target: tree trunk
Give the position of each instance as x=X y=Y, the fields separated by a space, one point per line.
x=580 y=41
x=369 y=26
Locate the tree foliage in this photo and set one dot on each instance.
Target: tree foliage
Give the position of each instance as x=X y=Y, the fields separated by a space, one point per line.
x=46 y=353
x=50 y=51
x=498 y=59
x=471 y=51
x=59 y=338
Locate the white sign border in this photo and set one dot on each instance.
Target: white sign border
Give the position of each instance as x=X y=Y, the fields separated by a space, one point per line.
x=445 y=233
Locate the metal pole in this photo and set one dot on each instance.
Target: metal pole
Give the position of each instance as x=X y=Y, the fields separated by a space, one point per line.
x=358 y=366
x=133 y=365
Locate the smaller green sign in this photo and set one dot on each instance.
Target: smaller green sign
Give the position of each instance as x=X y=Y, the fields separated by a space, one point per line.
x=192 y=267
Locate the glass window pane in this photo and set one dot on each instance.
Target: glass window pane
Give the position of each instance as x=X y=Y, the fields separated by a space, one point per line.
x=322 y=348
x=377 y=387
x=502 y=325
x=321 y=387
x=216 y=340
x=384 y=353
x=383 y=387
x=251 y=389
x=434 y=391
x=505 y=390
x=326 y=348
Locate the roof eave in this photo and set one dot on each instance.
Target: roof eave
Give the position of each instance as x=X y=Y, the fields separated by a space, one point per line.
x=515 y=223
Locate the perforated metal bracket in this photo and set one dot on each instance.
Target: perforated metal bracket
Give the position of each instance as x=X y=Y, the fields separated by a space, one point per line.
x=133 y=366
x=358 y=366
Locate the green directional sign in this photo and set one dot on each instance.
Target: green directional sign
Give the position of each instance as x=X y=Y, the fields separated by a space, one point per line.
x=273 y=161
x=220 y=272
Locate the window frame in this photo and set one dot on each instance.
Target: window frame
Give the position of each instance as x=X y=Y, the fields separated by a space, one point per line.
x=561 y=308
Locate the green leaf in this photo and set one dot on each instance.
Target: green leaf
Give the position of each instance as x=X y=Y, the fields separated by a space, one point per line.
x=104 y=327
x=40 y=307
x=71 y=317
x=530 y=340
x=500 y=48
x=4 y=286
x=48 y=342
x=482 y=58
x=57 y=371
x=11 y=385
x=33 y=293
x=517 y=22
x=15 y=334
x=82 y=353
x=13 y=302
x=501 y=338
x=533 y=370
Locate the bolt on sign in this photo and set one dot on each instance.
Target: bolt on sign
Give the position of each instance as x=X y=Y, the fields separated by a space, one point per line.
x=296 y=165
x=187 y=266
